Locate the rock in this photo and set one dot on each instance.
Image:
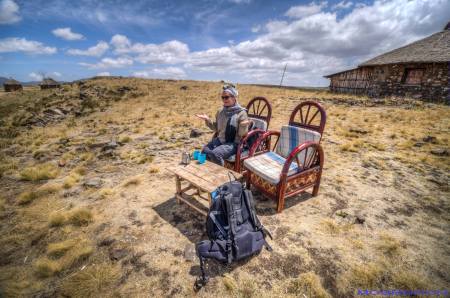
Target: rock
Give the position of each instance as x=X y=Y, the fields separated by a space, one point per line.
x=439 y=152
x=132 y=214
x=117 y=254
x=110 y=146
x=430 y=139
x=195 y=133
x=189 y=252
x=94 y=183
x=358 y=130
x=419 y=144
x=106 y=154
x=107 y=241
x=359 y=220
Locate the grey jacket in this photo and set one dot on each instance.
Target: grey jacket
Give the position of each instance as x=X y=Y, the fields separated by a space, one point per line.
x=220 y=125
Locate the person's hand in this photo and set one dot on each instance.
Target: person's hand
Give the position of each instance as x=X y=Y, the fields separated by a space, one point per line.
x=246 y=122
x=203 y=116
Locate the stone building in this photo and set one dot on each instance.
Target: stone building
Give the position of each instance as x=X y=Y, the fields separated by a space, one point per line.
x=418 y=70
x=12 y=85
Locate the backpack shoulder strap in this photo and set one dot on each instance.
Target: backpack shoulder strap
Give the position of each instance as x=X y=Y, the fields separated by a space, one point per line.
x=248 y=198
x=232 y=223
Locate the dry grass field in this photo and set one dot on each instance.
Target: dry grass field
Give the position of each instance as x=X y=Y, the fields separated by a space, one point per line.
x=87 y=206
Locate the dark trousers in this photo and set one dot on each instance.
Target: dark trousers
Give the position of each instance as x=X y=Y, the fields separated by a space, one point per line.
x=217 y=152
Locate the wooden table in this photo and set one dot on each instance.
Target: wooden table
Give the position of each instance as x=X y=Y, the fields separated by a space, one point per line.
x=200 y=178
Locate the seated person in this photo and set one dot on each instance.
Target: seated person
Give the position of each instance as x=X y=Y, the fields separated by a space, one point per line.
x=231 y=124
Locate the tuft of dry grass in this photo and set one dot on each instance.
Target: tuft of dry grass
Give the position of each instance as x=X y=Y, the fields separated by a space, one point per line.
x=388 y=245
x=133 y=181
x=94 y=281
x=29 y=196
x=307 y=285
x=46 y=268
x=125 y=139
x=105 y=193
x=62 y=256
x=331 y=227
x=56 y=219
x=71 y=180
x=80 y=217
x=229 y=283
x=153 y=170
x=2 y=204
x=58 y=249
x=39 y=172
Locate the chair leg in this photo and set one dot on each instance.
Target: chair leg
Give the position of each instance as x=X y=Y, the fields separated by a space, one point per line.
x=316 y=188
x=248 y=179
x=280 y=199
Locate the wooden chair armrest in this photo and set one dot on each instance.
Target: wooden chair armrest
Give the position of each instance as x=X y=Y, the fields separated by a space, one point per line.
x=265 y=136
x=245 y=139
x=295 y=152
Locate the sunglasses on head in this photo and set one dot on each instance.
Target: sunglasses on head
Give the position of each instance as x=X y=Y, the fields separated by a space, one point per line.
x=226 y=97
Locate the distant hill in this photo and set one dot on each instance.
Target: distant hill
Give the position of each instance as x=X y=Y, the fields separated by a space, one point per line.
x=30 y=83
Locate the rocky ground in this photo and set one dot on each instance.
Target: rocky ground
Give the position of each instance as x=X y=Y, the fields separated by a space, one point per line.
x=87 y=206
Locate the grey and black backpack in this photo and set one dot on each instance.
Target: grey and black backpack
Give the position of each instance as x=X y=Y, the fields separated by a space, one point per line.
x=233 y=229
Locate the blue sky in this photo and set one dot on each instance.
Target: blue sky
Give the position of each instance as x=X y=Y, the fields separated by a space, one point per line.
x=244 y=41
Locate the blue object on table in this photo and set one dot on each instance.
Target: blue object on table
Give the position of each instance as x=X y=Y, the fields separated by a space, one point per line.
x=214 y=195
x=196 y=153
x=201 y=158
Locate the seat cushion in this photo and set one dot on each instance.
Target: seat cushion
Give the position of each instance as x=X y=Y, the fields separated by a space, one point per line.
x=292 y=136
x=258 y=123
x=269 y=166
x=232 y=158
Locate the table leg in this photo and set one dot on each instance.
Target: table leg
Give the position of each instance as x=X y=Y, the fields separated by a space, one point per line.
x=178 y=185
x=209 y=199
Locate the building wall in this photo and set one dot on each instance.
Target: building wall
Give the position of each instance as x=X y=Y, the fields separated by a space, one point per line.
x=433 y=86
x=11 y=88
x=386 y=80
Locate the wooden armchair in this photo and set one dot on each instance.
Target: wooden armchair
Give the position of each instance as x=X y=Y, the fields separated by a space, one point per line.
x=259 y=111
x=295 y=161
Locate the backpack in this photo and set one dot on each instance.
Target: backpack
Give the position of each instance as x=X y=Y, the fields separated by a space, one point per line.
x=233 y=228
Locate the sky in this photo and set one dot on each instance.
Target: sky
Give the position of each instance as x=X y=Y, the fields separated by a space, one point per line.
x=240 y=41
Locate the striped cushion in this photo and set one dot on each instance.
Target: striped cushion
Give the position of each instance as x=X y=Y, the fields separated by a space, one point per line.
x=268 y=166
x=232 y=158
x=258 y=123
x=291 y=137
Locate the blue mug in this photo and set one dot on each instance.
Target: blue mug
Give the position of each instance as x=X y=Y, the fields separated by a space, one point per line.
x=201 y=158
x=196 y=153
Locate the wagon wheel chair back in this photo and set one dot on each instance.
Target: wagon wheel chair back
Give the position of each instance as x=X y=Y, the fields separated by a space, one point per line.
x=291 y=160
x=259 y=111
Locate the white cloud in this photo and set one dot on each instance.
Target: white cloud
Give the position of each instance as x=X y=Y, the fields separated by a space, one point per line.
x=95 y=51
x=15 y=44
x=35 y=76
x=9 y=12
x=104 y=74
x=120 y=42
x=169 y=52
x=342 y=5
x=162 y=73
x=67 y=34
x=301 y=11
x=109 y=63
x=39 y=76
x=240 y=1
